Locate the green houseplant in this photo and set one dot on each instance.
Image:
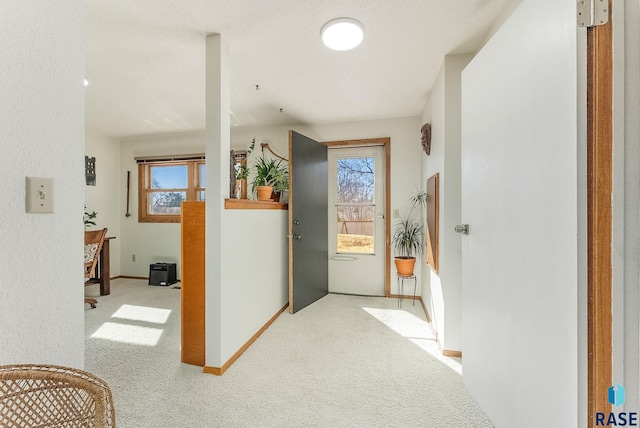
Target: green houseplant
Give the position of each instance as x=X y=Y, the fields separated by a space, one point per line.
x=269 y=173
x=409 y=236
x=89 y=217
x=280 y=181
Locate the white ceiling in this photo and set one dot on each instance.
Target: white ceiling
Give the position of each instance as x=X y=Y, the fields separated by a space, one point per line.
x=145 y=60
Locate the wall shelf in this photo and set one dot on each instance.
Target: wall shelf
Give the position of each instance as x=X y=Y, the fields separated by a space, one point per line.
x=252 y=204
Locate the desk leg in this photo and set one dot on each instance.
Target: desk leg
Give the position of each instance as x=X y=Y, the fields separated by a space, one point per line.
x=105 y=269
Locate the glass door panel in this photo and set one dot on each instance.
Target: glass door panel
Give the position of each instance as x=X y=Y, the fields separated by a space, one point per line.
x=355 y=205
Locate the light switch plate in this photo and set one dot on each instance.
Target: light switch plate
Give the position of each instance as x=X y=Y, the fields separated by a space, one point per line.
x=39 y=198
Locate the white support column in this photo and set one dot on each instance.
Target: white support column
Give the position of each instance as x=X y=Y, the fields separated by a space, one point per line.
x=217 y=146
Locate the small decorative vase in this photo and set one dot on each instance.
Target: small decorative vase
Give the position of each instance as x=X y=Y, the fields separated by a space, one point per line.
x=243 y=188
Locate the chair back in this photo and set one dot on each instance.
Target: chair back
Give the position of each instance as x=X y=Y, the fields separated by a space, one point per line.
x=93 y=240
x=53 y=396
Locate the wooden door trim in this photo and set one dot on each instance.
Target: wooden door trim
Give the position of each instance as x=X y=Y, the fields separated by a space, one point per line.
x=599 y=215
x=386 y=143
x=290 y=223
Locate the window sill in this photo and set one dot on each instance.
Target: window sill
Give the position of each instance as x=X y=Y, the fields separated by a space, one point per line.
x=251 y=204
x=159 y=218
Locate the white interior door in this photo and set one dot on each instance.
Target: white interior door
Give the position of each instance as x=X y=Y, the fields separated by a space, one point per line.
x=519 y=198
x=356 y=220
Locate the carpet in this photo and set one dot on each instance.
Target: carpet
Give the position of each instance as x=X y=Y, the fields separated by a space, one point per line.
x=345 y=361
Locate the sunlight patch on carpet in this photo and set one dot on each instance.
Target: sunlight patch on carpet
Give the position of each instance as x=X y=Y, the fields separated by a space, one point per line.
x=124 y=333
x=402 y=322
x=142 y=313
x=416 y=330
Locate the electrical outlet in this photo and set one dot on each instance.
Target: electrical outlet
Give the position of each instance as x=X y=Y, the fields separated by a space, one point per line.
x=396 y=213
x=133 y=257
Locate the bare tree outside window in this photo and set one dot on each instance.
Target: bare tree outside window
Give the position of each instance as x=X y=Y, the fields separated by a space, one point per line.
x=355 y=205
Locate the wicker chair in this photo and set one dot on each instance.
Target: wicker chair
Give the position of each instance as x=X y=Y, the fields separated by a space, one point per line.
x=53 y=396
x=93 y=240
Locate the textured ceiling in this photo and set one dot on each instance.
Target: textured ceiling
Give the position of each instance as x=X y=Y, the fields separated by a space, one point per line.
x=145 y=60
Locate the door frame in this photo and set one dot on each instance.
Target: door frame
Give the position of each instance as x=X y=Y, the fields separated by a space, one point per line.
x=386 y=144
x=599 y=215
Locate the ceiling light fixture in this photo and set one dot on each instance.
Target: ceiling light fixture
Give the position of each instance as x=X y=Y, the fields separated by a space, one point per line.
x=342 y=34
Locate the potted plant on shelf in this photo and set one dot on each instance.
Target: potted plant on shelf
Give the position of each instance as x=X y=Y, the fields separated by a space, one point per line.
x=268 y=173
x=280 y=181
x=409 y=236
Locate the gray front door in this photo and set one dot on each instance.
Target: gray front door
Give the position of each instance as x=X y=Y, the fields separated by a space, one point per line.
x=308 y=239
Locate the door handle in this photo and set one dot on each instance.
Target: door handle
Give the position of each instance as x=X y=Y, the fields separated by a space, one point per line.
x=294 y=236
x=462 y=228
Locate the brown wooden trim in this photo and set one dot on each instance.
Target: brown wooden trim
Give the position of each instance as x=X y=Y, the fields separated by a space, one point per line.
x=432 y=223
x=218 y=371
x=426 y=312
x=159 y=219
x=450 y=353
x=170 y=159
x=387 y=215
x=404 y=296
x=290 y=222
x=599 y=215
x=192 y=297
x=212 y=370
x=252 y=204
x=141 y=193
x=370 y=142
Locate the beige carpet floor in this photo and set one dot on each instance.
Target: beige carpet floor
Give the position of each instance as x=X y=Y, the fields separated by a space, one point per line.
x=345 y=361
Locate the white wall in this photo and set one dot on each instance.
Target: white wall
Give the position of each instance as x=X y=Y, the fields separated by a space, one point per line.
x=41 y=134
x=150 y=242
x=255 y=274
x=441 y=291
x=520 y=145
x=104 y=197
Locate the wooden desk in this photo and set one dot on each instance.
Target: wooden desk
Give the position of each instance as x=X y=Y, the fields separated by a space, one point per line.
x=103 y=270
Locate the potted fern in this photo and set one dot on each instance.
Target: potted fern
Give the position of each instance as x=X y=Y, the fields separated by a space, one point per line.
x=408 y=238
x=269 y=173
